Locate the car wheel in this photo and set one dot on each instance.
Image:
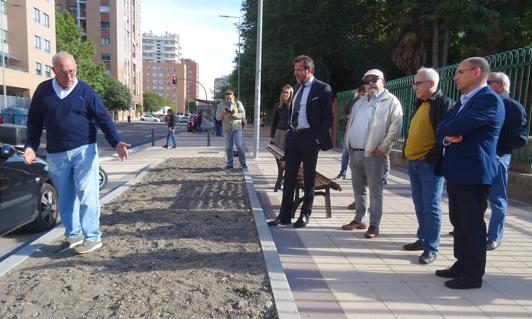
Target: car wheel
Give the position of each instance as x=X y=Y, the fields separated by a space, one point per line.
x=48 y=209
x=102 y=178
x=141 y=119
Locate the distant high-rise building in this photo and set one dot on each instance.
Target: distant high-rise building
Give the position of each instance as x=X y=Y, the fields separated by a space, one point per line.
x=161 y=48
x=114 y=28
x=192 y=79
x=28 y=35
x=220 y=83
x=158 y=79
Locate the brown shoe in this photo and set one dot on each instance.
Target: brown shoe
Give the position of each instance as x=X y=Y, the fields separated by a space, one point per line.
x=352 y=206
x=354 y=225
x=372 y=232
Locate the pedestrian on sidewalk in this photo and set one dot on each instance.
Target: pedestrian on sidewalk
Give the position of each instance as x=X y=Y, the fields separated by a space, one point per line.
x=199 y=119
x=231 y=112
x=513 y=135
x=422 y=153
x=375 y=124
x=469 y=136
x=169 y=119
x=280 y=119
x=310 y=121
x=69 y=109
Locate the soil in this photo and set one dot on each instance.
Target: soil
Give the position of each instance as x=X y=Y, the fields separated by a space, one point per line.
x=181 y=243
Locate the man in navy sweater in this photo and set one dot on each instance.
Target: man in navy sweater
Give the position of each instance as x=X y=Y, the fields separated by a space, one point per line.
x=69 y=108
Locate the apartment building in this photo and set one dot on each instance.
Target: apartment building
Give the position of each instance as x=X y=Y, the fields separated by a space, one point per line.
x=220 y=83
x=161 y=48
x=114 y=28
x=28 y=44
x=192 y=79
x=158 y=79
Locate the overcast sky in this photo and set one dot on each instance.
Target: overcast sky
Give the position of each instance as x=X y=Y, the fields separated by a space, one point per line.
x=205 y=37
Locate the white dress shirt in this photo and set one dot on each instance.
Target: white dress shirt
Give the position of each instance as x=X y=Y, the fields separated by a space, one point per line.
x=63 y=92
x=358 y=132
x=302 y=121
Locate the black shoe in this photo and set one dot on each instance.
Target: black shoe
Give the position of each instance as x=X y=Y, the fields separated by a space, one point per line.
x=165 y=146
x=492 y=245
x=427 y=257
x=460 y=283
x=384 y=181
x=174 y=146
x=302 y=221
x=340 y=176
x=277 y=221
x=417 y=245
x=451 y=233
x=447 y=273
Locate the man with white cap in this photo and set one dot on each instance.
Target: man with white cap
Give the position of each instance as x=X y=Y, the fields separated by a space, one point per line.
x=375 y=124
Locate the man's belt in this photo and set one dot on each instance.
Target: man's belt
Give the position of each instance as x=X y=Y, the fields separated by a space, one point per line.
x=357 y=149
x=301 y=130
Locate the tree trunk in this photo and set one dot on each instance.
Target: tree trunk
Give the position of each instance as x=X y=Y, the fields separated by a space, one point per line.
x=435 y=44
x=445 y=51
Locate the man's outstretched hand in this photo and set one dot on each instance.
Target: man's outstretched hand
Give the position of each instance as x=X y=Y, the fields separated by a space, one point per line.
x=121 y=150
x=29 y=155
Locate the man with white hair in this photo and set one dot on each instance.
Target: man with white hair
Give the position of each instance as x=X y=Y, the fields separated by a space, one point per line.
x=423 y=153
x=513 y=135
x=375 y=124
x=69 y=109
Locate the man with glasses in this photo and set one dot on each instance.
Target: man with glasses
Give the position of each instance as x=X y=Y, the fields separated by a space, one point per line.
x=513 y=135
x=69 y=109
x=469 y=135
x=422 y=153
x=375 y=124
x=231 y=112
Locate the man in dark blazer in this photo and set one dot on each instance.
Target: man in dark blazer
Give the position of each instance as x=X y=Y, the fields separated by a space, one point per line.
x=469 y=134
x=310 y=121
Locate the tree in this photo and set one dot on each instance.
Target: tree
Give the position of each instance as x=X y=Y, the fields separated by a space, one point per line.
x=152 y=102
x=117 y=97
x=70 y=38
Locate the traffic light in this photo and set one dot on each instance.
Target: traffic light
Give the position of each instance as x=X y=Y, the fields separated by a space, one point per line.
x=174 y=79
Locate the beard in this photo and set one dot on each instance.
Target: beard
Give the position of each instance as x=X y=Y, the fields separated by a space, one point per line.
x=372 y=92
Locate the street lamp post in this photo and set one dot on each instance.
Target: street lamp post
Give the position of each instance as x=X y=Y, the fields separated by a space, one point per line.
x=238 y=65
x=3 y=9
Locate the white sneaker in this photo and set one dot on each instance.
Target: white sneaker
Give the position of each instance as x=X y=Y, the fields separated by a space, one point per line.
x=88 y=246
x=69 y=243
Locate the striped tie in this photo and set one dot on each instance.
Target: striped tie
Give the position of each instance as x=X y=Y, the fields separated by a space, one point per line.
x=296 y=105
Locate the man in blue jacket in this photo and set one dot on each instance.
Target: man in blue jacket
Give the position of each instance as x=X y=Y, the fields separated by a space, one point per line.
x=469 y=135
x=68 y=108
x=513 y=135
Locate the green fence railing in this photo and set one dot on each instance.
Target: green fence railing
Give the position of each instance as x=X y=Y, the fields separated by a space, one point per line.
x=517 y=64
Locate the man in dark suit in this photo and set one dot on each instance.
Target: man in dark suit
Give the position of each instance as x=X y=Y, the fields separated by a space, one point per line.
x=310 y=121
x=469 y=134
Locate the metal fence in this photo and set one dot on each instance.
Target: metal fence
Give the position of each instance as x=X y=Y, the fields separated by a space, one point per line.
x=517 y=64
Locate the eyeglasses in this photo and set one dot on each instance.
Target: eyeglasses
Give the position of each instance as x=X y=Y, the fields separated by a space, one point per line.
x=460 y=72
x=68 y=72
x=418 y=83
x=226 y=94
x=371 y=81
x=493 y=82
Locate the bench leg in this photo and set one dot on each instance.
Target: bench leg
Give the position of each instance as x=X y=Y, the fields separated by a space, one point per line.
x=327 y=204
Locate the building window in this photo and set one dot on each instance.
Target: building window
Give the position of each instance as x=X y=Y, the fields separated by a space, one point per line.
x=46 y=20
x=104 y=9
x=105 y=41
x=38 y=68
x=37 y=42
x=3 y=6
x=46 y=45
x=106 y=57
x=58 y=7
x=37 y=15
x=4 y=36
x=105 y=25
x=48 y=71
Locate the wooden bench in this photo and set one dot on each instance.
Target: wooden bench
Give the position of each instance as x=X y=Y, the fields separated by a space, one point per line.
x=322 y=184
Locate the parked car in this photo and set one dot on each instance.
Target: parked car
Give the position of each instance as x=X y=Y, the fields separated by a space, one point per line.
x=149 y=118
x=14 y=115
x=182 y=119
x=27 y=195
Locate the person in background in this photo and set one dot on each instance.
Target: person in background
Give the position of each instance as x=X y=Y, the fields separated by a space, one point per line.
x=169 y=119
x=199 y=119
x=513 y=135
x=280 y=119
x=231 y=112
x=69 y=108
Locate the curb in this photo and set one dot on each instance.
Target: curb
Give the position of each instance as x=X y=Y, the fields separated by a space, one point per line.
x=282 y=295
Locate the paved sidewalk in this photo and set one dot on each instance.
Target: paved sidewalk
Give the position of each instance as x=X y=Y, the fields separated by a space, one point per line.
x=340 y=274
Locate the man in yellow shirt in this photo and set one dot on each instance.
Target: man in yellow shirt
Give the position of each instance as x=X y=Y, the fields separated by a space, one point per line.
x=423 y=153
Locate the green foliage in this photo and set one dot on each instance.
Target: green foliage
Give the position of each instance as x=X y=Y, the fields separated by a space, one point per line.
x=191 y=106
x=117 y=96
x=70 y=38
x=152 y=102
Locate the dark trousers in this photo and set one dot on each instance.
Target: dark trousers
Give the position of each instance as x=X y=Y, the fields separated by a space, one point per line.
x=300 y=147
x=467 y=205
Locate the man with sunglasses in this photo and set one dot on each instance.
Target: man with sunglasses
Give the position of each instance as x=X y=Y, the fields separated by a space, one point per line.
x=69 y=109
x=469 y=135
x=513 y=135
x=375 y=124
x=422 y=153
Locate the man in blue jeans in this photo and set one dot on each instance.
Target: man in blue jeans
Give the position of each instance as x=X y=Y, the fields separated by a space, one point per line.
x=513 y=135
x=231 y=113
x=423 y=153
x=68 y=108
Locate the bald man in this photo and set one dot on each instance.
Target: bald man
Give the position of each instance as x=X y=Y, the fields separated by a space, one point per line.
x=69 y=108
